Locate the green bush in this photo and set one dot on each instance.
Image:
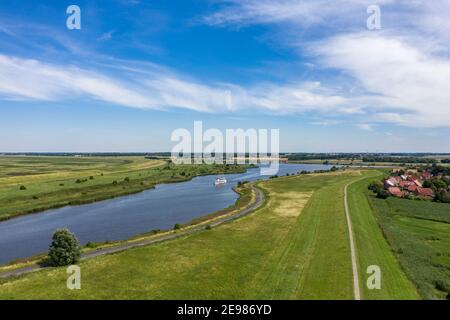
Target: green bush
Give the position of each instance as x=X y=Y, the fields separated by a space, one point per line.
x=64 y=249
x=22 y=188
x=382 y=194
x=177 y=226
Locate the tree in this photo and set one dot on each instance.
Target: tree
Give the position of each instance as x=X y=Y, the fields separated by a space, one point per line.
x=427 y=184
x=376 y=187
x=64 y=249
x=382 y=194
x=439 y=184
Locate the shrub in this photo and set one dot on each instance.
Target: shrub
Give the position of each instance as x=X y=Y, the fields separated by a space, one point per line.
x=177 y=226
x=91 y=178
x=127 y=179
x=208 y=227
x=114 y=182
x=64 y=249
x=382 y=194
x=22 y=188
x=440 y=285
x=376 y=187
x=92 y=245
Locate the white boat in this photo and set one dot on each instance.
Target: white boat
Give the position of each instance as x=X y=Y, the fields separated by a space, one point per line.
x=220 y=180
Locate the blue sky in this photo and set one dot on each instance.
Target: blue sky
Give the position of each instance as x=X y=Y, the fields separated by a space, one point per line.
x=137 y=70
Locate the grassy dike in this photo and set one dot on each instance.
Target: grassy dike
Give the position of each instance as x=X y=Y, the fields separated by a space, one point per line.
x=33 y=184
x=294 y=247
x=373 y=249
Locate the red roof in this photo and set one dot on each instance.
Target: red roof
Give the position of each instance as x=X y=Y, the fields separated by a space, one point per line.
x=405 y=184
x=412 y=188
x=425 y=192
x=396 y=192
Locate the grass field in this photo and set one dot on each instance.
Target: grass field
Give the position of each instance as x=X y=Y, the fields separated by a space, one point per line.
x=31 y=184
x=419 y=234
x=294 y=247
x=373 y=249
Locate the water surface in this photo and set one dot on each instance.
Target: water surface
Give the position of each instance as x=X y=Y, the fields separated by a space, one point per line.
x=124 y=217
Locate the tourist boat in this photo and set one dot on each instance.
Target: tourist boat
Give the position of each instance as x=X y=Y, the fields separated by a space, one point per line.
x=220 y=180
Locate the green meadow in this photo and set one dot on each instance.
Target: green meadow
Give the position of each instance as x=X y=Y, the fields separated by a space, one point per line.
x=31 y=184
x=373 y=249
x=294 y=247
x=419 y=234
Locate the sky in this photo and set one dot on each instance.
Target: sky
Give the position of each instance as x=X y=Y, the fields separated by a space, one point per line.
x=138 y=70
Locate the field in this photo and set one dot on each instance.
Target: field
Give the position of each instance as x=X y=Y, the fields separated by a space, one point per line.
x=373 y=249
x=419 y=234
x=31 y=184
x=294 y=247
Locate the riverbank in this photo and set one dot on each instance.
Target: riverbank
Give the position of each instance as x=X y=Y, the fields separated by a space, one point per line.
x=34 y=184
x=250 y=198
x=293 y=247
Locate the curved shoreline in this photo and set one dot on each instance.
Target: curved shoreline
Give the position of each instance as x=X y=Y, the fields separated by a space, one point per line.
x=114 y=196
x=201 y=226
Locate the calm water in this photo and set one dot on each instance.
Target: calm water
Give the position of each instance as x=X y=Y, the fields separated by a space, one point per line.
x=124 y=217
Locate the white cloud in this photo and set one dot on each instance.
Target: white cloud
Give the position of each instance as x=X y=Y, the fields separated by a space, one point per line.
x=401 y=72
x=411 y=84
x=365 y=126
x=157 y=88
x=298 y=12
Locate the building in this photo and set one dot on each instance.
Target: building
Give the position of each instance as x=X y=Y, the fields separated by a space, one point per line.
x=424 y=192
x=396 y=192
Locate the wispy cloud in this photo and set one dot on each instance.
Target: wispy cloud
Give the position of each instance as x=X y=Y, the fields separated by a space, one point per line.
x=365 y=126
x=157 y=88
x=401 y=72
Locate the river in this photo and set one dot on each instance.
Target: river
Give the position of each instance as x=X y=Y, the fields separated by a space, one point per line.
x=124 y=217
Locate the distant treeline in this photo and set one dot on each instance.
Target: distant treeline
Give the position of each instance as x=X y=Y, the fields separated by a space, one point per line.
x=87 y=154
x=321 y=156
x=399 y=159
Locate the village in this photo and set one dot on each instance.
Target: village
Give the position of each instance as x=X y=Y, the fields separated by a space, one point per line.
x=416 y=182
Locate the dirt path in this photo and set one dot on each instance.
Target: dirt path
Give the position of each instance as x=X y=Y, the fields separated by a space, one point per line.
x=259 y=201
x=356 y=290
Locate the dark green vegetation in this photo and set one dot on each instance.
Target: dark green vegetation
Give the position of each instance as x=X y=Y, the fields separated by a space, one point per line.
x=399 y=159
x=294 y=247
x=419 y=234
x=31 y=184
x=64 y=249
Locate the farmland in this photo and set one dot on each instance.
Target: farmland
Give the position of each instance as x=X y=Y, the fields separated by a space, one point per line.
x=31 y=184
x=373 y=249
x=419 y=234
x=294 y=247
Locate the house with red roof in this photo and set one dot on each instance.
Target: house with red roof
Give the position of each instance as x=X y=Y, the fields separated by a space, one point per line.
x=424 y=192
x=396 y=192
